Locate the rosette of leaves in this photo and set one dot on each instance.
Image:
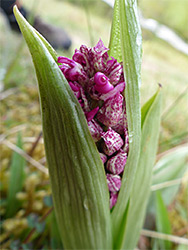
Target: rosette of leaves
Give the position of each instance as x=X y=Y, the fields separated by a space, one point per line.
x=78 y=180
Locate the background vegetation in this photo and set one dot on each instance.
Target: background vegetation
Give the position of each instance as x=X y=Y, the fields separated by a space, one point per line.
x=26 y=209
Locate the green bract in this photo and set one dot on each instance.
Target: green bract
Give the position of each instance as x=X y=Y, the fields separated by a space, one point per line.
x=79 y=187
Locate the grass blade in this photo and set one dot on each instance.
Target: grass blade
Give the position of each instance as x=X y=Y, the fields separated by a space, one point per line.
x=16 y=180
x=79 y=187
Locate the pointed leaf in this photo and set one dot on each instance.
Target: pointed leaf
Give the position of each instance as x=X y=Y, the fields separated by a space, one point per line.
x=141 y=187
x=130 y=42
x=79 y=186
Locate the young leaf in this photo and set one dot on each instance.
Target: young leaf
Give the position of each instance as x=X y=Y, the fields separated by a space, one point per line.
x=79 y=187
x=162 y=221
x=130 y=43
x=141 y=186
x=16 y=180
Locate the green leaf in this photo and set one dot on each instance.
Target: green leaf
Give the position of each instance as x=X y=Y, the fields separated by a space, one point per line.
x=142 y=182
x=130 y=43
x=171 y=166
x=162 y=221
x=16 y=180
x=79 y=187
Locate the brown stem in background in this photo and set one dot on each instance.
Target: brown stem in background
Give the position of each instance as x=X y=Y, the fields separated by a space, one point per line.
x=34 y=145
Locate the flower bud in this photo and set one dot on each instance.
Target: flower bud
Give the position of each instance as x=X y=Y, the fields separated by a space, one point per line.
x=113 y=199
x=116 y=164
x=114 y=182
x=112 y=142
x=111 y=111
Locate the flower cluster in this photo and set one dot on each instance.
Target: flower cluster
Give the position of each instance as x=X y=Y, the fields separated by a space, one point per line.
x=98 y=83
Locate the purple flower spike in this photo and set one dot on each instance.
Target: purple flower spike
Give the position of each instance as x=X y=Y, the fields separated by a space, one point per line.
x=112 y=142
x=102 y=83
x=98 y=83
x=117 y=163
x=103 y=157
x=113 y=199
x=114 y=182
x=111 y=111
x=95 y=130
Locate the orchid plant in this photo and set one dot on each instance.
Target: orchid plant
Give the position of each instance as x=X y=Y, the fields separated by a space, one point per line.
x=100 y=145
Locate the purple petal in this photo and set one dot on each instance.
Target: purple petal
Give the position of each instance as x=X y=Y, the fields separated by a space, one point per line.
x=110 y=113
x=102 y=83
x=98 y=56
x=114 y=71
x=114 y=182
x=112 y=142
x=100 y=48
x=90 y=115
x=116 y=164
x=118 y=88
x=84 y=100
x=100 y=79
x=72 y=70
x=79 y=58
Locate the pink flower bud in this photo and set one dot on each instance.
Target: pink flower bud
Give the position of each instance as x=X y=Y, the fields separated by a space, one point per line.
x=98 y=83
x=111 y=111
x=114 y=182
x=112 y=142
x=95 y=130
x=122 y=123
x=116 y=164
x=113 y=199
